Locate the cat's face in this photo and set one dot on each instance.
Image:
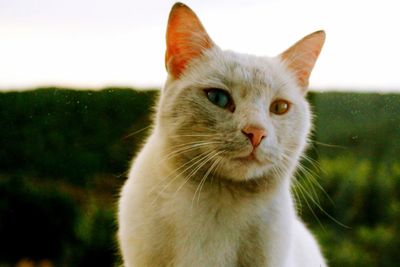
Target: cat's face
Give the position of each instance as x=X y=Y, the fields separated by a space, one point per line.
x=238 y=116
x=194 y=114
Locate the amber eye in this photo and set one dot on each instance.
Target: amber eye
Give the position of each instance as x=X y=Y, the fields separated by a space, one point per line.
x=279 y=107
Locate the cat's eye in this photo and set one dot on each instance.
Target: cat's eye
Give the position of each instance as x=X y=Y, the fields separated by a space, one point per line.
x=279 y=107
x=220 y=98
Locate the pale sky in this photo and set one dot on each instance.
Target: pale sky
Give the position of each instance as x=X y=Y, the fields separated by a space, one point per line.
x=97 y=43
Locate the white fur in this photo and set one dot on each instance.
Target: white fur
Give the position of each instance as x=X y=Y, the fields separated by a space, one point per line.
x=160 y=210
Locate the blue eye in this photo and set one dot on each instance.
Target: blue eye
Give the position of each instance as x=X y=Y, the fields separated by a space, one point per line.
x=220 y=98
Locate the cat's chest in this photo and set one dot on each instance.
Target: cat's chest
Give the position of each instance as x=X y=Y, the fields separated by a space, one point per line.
x=213 y=210
x=224 y=233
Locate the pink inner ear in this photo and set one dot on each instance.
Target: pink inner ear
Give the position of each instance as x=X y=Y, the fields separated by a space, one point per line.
x=301 y=57
x=303 y=77
x=186 y=39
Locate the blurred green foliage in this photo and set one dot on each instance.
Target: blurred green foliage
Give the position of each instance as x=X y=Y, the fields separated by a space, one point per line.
x=64 y=154
x=70 y=135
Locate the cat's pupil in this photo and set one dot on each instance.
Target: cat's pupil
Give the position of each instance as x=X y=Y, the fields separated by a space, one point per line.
x=279 y=107
x=218 y=97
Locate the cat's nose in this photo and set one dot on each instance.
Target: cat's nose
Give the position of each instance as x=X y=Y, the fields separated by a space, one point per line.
x=255 y=134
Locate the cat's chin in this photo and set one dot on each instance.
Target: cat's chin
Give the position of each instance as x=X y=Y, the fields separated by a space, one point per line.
x=246 y=168
x=250 y=159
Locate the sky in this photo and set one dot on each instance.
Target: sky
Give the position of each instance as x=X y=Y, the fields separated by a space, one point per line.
x=98 y=43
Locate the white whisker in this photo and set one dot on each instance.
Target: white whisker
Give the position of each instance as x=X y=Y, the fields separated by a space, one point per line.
x=188 y=147
x=203 y=180
x=193 y=172
x=196 y=160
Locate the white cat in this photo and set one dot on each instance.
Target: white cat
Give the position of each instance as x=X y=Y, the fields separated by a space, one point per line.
x=211 y=186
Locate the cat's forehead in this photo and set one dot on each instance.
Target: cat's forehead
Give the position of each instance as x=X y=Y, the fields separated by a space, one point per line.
x=247 y=75
x=244 y=74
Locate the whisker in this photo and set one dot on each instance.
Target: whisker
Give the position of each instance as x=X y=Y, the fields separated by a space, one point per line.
x=188 y=147
x=326 y=213
x=197 y=169
x=309 y=177
x=203 y=180
x=314 y=163
x=298 y=204
x=192 y=135
x=193 y=172
x=329 y=145
x=218 y=169
x=195 y=159
x=303 y=192
x=305 y=173
x=136 y=132
x=196 y=143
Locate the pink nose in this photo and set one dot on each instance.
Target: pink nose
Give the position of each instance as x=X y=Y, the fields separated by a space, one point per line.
x=255 y=134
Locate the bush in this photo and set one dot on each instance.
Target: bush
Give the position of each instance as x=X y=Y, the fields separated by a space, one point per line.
x=359 y=225
x=35 y=223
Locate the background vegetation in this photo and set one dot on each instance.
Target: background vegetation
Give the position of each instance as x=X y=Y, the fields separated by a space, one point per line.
x=64 y=153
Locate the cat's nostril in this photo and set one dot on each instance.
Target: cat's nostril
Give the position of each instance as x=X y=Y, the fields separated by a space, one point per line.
x=249 y=135
x=255 y=134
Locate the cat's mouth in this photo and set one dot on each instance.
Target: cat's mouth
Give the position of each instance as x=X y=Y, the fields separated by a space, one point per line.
x=251 y=158
x=255 y=157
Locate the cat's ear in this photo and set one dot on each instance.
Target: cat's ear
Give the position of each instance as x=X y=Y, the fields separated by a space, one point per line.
x=301 y=57
x=186 y=39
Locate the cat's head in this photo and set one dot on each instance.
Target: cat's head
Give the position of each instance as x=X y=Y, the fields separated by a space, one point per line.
x=238 y=116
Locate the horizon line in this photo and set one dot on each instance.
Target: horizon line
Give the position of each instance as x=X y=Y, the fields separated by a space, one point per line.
x=81 y=87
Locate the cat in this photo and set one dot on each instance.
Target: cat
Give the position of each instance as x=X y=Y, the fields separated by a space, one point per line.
x=211 y=185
